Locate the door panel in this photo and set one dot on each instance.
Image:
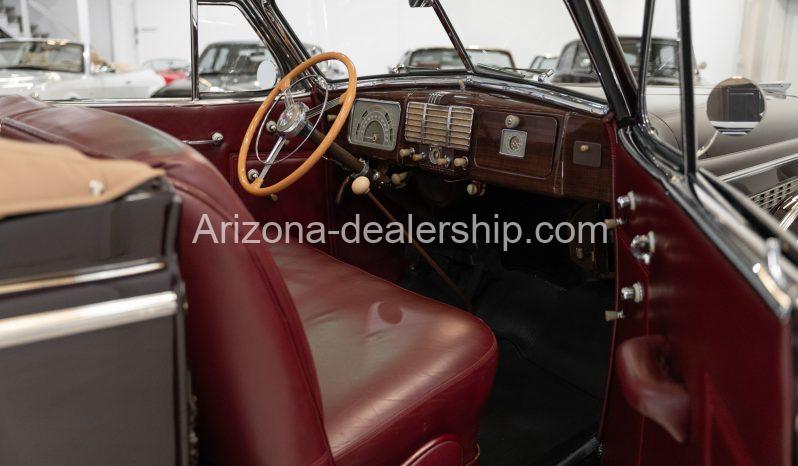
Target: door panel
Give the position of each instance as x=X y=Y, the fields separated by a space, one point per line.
x=306 y=201
x=725 y=346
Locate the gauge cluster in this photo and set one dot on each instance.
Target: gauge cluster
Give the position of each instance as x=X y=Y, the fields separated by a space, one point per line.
x=375 y=124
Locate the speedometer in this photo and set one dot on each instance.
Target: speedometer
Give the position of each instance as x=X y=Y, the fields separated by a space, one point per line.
x=374 y=123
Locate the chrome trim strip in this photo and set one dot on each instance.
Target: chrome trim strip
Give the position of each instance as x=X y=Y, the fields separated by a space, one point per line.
x=22 y=330
x=757 y=169
x=94 y=274
x=194 y=25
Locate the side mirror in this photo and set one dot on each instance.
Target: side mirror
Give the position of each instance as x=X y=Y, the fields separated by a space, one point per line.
x=268 y=74
x=736 y=106
x=421 y=3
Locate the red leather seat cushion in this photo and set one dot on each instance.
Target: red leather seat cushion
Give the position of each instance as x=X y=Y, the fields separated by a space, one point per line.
x=395 y=369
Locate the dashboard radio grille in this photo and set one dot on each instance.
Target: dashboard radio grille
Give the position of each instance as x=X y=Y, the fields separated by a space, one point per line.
x=439 y=125
x=777 y=194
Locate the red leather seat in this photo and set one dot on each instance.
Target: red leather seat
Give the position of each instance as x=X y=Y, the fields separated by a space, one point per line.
x=296 y=358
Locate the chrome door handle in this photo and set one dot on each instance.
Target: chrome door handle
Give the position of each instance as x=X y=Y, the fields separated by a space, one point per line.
x=643 y=247
x=216 y=139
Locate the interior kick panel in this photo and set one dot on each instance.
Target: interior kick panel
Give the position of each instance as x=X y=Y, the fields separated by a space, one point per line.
x=497 y=139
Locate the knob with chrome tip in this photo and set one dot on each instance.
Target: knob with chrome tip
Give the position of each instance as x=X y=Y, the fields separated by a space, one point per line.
x=629 y=201
x=271 y=127
x=613 y=223
x=252 y=175
x=405 y=153
x=442 y=161
x=460 y=162
x=331 y=118
x=399 y=178
x=610 y=316
x=634 y=293
x=361 y=185
x=418 y=157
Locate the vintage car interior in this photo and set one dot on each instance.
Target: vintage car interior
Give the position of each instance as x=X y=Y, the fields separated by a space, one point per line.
x=446 y=353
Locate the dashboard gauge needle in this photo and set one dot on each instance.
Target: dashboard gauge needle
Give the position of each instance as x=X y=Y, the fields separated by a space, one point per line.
x=267 y=165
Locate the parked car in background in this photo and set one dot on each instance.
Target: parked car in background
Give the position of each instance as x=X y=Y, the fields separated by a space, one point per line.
x=170 y=69
x=574 y=64
x=51 y=69
x=446 y=58
x=544 y=62
x=233 y=67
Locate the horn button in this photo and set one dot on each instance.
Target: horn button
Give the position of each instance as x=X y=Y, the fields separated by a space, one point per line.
x=292 y=120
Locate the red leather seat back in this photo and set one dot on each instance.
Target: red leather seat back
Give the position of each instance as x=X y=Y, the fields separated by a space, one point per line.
x=252 y=370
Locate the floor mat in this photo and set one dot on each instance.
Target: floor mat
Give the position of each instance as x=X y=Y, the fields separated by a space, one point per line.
x=533 y=418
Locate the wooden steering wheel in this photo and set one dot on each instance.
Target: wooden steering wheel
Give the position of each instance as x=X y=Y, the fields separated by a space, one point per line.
x=292 y=122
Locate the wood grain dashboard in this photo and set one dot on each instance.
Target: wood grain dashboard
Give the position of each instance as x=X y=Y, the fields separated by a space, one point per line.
x=565 y=153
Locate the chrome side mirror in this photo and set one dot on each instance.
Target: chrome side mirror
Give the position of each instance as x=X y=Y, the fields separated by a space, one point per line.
x=736 y=106
x=268 y=74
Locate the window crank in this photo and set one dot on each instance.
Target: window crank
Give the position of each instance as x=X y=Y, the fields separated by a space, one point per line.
x=216 y=139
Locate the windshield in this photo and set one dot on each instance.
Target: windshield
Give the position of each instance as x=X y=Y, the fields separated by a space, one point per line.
x=390 y=37
x=41 y=55
x=380 y=37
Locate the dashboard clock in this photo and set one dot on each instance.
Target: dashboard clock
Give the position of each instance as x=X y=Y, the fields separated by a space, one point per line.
x=375 y=124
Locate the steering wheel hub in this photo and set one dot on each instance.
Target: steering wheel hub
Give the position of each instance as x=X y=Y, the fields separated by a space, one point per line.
x=292 y=120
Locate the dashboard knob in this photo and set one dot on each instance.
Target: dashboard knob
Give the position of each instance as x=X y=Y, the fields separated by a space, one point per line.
x=475 y=189
x=460 y=162
x=398 y=178
x=442 y=161
x=361 y=185
x=418 y=157
x=404 y=153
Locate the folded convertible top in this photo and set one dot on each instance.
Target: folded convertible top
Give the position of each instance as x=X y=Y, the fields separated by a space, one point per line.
x=47 y=177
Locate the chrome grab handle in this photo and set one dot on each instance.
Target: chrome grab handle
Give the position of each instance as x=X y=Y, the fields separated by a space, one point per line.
x=216 y=139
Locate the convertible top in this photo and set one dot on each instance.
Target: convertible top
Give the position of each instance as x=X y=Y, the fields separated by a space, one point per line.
x=47 y=177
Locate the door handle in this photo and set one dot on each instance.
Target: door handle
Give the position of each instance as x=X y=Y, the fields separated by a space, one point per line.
x=644 y=379
x=216 y=139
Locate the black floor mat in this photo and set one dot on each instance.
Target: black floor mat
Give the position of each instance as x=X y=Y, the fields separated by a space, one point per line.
x=554 y=349
x=533 y=418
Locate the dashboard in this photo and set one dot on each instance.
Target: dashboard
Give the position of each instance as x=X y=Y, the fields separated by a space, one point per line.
x=484 y=137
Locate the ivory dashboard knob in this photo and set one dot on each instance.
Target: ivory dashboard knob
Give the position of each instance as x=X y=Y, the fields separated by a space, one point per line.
x=404 y=153
x=361 y=185
x=418 y=157
x=460 y=162
x=398 y=178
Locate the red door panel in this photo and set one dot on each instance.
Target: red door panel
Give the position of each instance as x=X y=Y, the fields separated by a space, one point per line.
x=305 y=202
x=725 y=346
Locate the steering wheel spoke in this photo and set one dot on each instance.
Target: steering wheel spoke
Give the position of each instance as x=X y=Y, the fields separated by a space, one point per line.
x=270 y=160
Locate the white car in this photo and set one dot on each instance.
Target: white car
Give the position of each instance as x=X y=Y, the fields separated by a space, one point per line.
x=49 y=69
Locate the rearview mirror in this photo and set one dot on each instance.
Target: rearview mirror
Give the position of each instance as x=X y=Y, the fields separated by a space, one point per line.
x=268 y=74
x=421 y=3
x=736 y=106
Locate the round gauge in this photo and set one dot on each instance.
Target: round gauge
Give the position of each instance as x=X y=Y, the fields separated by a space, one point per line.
x=374 y=124
x=374 y=129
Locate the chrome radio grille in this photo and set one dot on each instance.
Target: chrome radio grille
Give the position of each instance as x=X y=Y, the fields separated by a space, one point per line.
x=777 y=194
x=439 y=125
